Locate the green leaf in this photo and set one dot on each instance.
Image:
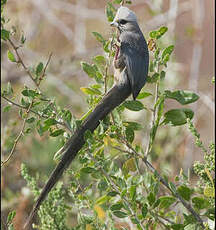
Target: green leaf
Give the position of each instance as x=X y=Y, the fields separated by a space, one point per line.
x=24 y=103
x=132 y=191
x=120 y=214
x=177 y=117
x=11 y=215
x=28 y=130
x=134 y=105
x=100 y=60
x=144 y=210
x=90 y=70
x=29 y=93
x=40 y=128
x=67 y=116
x=87 y=170
x=9 y=90
x=177 y=226
x=129 y=134
x=57 y=132
x=23 y=39
x=200 y=202
x=162 y=31
x=162 y=75
x=166 y=201
x=189 y=219
x=110 y=12
x=151 y=66
x=182 y=96
x=116 y=207
x=156 y=54
x=209 y=191
x=172 y=187
x=102 y=185
x=7 y=108
x=133 y=125
x=184 y=192
x=50 y=121
x=106 y=46
x=165 y=60
x=5 y=34
x=99 y=37
x=167 y=51
x=102 y=199
x=11 y=56
x=39 y=68
x=112 y=193
x=143 y=95
x=153 y=78
x=156 y=203
x=151 y=198
x=129 y=165
x=90 y=91
x=30 y=120
x=154 y=34
x=117 y=1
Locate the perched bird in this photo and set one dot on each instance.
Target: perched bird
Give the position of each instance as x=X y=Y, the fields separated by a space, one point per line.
x=131 y=61
x=133 y=51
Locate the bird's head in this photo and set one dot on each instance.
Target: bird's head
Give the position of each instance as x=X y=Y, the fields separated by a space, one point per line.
x=125 y=19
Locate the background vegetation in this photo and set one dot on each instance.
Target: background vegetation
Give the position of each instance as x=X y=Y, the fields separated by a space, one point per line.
x=115 y=155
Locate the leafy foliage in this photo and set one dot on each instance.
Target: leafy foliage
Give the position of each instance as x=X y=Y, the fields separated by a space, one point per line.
x=116 y=186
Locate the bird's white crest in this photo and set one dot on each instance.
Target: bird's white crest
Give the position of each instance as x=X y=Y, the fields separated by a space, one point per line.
x=125 y=13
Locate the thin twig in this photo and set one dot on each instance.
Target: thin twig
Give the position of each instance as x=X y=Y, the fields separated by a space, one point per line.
x=149 y=145
x=108 y=65
x=32 y=111
x=31 y=76
x=19 y=136
x=44 y=70
x=22 y=63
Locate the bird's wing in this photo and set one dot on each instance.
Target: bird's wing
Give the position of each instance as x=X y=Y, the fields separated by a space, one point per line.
x=136 y=62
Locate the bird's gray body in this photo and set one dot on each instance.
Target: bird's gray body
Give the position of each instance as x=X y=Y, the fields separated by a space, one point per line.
x=133 y=54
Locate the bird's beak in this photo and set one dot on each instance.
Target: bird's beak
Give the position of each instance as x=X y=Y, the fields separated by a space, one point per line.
x=115 y=24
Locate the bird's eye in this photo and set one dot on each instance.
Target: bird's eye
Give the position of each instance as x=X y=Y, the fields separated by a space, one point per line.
x=122 y=21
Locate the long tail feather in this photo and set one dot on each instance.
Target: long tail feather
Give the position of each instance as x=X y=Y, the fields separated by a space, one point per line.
x=115 y=96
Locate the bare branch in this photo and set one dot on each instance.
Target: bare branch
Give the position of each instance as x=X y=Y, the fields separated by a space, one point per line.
x=22 y=63
x=18 y=137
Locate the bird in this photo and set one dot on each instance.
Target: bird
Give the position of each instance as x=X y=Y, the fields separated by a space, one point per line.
x=133 y=51
x=131 y=62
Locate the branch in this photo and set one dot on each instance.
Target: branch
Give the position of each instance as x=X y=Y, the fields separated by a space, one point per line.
x=22 y=63
x=149 y=145
x=19 y=136
x=31 y=76
x=36 y=113
x=44 y=71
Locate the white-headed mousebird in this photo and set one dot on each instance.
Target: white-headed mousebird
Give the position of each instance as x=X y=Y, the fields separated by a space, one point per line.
x=131 y=62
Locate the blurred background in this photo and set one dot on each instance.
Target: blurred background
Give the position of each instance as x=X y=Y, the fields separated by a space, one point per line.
x=64 y=27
